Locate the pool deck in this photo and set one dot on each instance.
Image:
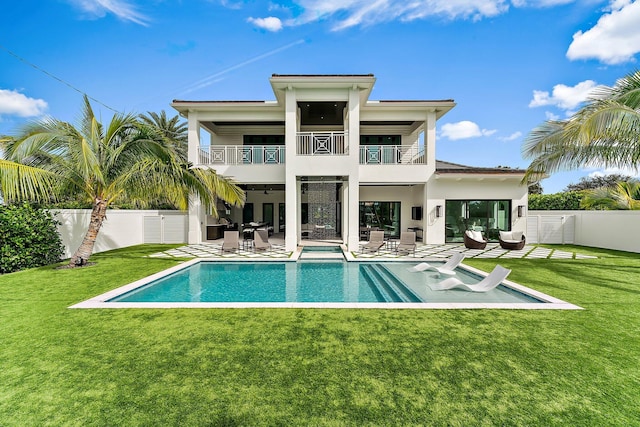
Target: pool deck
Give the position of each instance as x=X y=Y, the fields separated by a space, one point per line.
x=212 y=250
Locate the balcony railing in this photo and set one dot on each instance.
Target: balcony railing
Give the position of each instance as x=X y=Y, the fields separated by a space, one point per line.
x=391 y=155
x=241 y=155
x=322 y=143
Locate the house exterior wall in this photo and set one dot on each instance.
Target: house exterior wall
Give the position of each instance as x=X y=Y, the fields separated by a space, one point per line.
x=409 y=177
x=472 y=188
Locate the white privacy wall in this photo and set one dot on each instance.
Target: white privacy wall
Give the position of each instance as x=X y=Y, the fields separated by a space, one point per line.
x=618 y=230
x=122 y=228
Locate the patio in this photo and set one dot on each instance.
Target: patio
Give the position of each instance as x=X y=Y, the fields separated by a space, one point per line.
x=493 y=250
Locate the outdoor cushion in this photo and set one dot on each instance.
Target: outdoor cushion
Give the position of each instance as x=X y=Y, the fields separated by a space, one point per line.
x=517 y=235
x=477 y=235
x=506 y=235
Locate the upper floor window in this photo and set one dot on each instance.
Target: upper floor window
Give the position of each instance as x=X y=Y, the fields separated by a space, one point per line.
x=380 y=139
x=263 y=140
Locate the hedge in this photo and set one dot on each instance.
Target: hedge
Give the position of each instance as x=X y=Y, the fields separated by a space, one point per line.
x=28 y=238
x=569 y=200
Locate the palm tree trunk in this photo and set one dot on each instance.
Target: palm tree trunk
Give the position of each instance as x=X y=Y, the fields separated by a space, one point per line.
x=82 y=254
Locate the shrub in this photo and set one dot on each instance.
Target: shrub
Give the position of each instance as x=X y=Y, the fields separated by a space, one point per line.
x=569 y=200
x=28 y=238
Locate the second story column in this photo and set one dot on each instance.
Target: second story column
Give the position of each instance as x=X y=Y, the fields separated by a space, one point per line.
x=291 y=188
x=353 y=196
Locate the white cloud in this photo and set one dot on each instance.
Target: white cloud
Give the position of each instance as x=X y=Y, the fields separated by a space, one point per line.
x=351 y=13
x=120 y=8
x=269 y=23
x=511 y=137
x=615 y=171
x=540 y=3
x=464 y=130
x=17 y=104
x=359 y=12
x=550 y=116
x=563 y=96
x=614 y=39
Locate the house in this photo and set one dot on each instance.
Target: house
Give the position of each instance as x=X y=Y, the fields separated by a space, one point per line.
x=323 y=161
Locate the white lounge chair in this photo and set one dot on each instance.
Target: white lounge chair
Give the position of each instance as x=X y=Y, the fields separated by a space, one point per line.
x=446 y=269
x=494 y=278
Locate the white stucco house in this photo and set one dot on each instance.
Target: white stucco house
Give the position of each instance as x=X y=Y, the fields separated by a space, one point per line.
x=322 y=161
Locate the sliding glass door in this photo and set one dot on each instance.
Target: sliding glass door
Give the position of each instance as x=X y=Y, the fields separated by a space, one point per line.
x=381 y=216
x=487 y=216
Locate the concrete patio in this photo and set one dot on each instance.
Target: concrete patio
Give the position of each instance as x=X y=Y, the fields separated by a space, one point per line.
x=493 y=250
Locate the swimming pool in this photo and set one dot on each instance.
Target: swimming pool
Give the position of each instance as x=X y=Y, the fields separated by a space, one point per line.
x=315 y=283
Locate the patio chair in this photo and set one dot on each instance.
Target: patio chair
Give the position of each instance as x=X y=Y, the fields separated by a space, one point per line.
x=407 y=242
x=231 y=241
x=494 y=278
x=261 y=240
x=448 y=268
x=512 y=240
x=376 y=240
x=474 y=240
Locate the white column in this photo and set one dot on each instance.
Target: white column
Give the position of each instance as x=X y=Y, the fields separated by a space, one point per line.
x=291 y=187
x=430 y=142
x=196 y=217
x=353 y=191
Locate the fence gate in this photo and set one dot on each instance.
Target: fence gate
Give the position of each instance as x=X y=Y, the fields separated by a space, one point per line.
x=165 y=229
x=551 y=229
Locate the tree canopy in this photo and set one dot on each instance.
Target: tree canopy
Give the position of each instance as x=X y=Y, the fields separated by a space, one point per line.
x=138 y=160
x=604 y=133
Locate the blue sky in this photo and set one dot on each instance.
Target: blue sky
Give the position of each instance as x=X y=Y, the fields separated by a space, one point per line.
x=509 y=65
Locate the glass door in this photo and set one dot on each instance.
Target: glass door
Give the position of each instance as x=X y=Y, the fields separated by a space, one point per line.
x=486 y=216
x=383 y=216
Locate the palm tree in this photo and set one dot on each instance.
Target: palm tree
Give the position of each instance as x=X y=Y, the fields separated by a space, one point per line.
x=604 y=133
x=126 y=160
x=624 y=195
x=173 y=130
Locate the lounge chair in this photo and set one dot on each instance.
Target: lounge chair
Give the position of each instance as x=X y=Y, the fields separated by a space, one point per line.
x=494 y=278
x=448 y=268
x=407 y=242
x=376 y=240
x=231 y=241
x=474 y=240
x=512 y=240
x=261 y=240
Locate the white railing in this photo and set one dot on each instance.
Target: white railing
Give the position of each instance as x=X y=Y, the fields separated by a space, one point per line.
x=391 y=155
x=241 y=155
x=322 y=143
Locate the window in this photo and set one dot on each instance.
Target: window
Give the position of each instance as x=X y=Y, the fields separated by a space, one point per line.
x=487 y=216
x=382 y=216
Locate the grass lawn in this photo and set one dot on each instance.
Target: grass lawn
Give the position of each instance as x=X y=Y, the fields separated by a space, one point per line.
x=321 y=367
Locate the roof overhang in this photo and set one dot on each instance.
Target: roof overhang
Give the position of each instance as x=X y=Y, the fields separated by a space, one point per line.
x=282 y=82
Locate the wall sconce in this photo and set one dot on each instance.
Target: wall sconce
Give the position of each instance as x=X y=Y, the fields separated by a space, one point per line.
x=520 y=211
x=438 y=211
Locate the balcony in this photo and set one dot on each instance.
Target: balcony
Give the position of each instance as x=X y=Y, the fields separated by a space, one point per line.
x=322 y=143
x=391 y=155
x=241 y=155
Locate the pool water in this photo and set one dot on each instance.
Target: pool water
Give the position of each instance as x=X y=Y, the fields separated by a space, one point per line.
x=306 y=281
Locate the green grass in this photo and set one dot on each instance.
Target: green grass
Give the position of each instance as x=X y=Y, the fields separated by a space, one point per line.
x=321 y=367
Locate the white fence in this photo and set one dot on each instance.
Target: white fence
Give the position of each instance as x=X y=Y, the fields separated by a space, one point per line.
x=600 y=229
x=122 y=228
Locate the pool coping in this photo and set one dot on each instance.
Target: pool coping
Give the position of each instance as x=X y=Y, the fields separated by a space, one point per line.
x=101 y=301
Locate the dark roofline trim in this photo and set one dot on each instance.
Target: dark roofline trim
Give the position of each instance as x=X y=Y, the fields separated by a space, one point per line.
x=220 y=102
x=322 y=75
